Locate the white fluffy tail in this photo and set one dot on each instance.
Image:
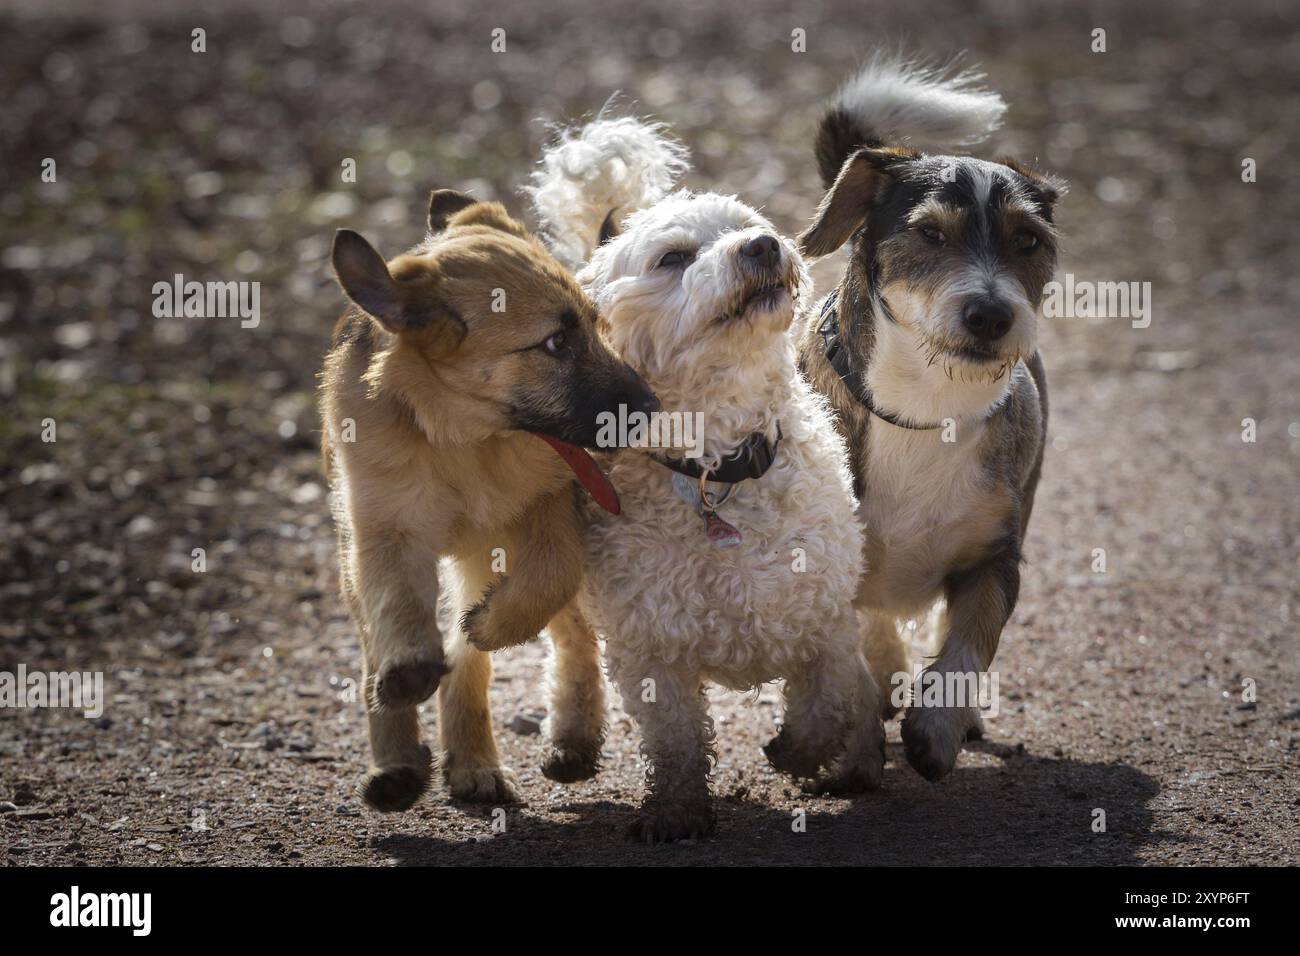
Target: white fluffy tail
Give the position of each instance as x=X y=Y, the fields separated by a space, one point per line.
x=894 y=100
x=608 y=166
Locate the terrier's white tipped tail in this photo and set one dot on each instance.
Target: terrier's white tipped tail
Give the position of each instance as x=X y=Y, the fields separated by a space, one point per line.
x=608 y=166
x=893 y=100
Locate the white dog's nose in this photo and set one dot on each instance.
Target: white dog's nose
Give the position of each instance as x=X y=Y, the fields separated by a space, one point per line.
x=763 y=250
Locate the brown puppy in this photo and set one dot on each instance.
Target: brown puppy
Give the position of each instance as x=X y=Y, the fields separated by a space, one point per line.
x=451 y=355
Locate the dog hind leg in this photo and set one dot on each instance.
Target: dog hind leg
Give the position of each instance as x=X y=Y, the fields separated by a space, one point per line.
x=400 y=765
x=576 y=727
x=886 y=651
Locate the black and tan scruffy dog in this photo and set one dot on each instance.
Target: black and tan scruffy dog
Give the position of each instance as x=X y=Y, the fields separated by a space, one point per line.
x=454 y=359
x=928 y=351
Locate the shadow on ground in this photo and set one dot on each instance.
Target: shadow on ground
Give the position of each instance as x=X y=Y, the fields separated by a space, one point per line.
x=1028 y=810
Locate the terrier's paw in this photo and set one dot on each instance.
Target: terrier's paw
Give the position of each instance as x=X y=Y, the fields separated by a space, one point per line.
x=661 y=821
x=567 y=763
x=932 y=737
x=976 y=730
x=495 y=785
x=392 y=789
x=405 y=681
x=790 y=755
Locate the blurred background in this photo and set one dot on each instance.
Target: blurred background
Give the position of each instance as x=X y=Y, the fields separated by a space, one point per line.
x=183 y=433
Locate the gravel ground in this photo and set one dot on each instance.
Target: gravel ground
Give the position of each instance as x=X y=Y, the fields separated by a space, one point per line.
x=227 y=736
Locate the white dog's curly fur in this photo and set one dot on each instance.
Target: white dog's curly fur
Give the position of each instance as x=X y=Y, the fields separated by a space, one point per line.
x=675 y=609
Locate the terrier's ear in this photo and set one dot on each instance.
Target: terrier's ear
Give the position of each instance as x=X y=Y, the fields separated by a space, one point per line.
x=445 y=203
x=411 y=307
x=845 y=206
x=1045 y=189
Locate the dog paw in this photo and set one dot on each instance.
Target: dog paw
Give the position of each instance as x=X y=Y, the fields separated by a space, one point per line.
x=932 y=737
x=494 y=785
x=405 y=681
x=571 y=764
x=791 y=756
x=858 y=772
x=976 y=730
x=487 y=632
x=392 y=789
x=660 y=821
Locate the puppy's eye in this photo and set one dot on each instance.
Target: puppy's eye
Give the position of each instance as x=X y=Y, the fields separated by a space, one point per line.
x=557 y=345
x=1025 y=241
x=932 y=235
x=675 y=259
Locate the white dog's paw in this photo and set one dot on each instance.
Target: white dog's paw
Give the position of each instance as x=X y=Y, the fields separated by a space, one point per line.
x=495 y=785
x=859 y=770
x=800 y=753
x=932 y=738
x=663 y=821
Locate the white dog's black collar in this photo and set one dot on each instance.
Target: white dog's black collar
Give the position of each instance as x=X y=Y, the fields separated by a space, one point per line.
x=854 y=380
x=751 y=460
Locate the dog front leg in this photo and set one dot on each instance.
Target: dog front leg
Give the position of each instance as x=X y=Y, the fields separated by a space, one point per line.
x=394 y=598
x=980 y=600
x=543 y=569
x=471 y=763
x=832 y=720
x=677 y=746
x=576 y=724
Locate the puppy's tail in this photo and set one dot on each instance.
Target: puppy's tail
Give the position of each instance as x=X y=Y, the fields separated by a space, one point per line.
x=894 y=100
x=593 y=177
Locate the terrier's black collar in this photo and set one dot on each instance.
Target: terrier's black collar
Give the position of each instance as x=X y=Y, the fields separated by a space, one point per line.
x=751 y=460
x=855 y=380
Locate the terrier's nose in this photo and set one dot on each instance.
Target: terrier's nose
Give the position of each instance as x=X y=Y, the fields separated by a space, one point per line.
x=764 y=250
x=987 y=320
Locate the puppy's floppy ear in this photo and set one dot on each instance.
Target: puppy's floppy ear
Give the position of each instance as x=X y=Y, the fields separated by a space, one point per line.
x=1045 y=189
x=845 y=206
x=411 y=307
x=445 y=203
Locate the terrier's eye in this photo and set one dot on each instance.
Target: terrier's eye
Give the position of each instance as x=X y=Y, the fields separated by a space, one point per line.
x=932 y=235
x=1025 y=241
x=557 y=345
x=675 y=259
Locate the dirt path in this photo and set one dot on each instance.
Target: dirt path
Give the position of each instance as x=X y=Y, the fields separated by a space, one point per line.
x=227 y=737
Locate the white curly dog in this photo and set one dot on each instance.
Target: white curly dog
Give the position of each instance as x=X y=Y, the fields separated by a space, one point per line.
x=736 y=581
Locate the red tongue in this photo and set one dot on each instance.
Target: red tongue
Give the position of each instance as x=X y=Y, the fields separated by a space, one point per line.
x=588 y=472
